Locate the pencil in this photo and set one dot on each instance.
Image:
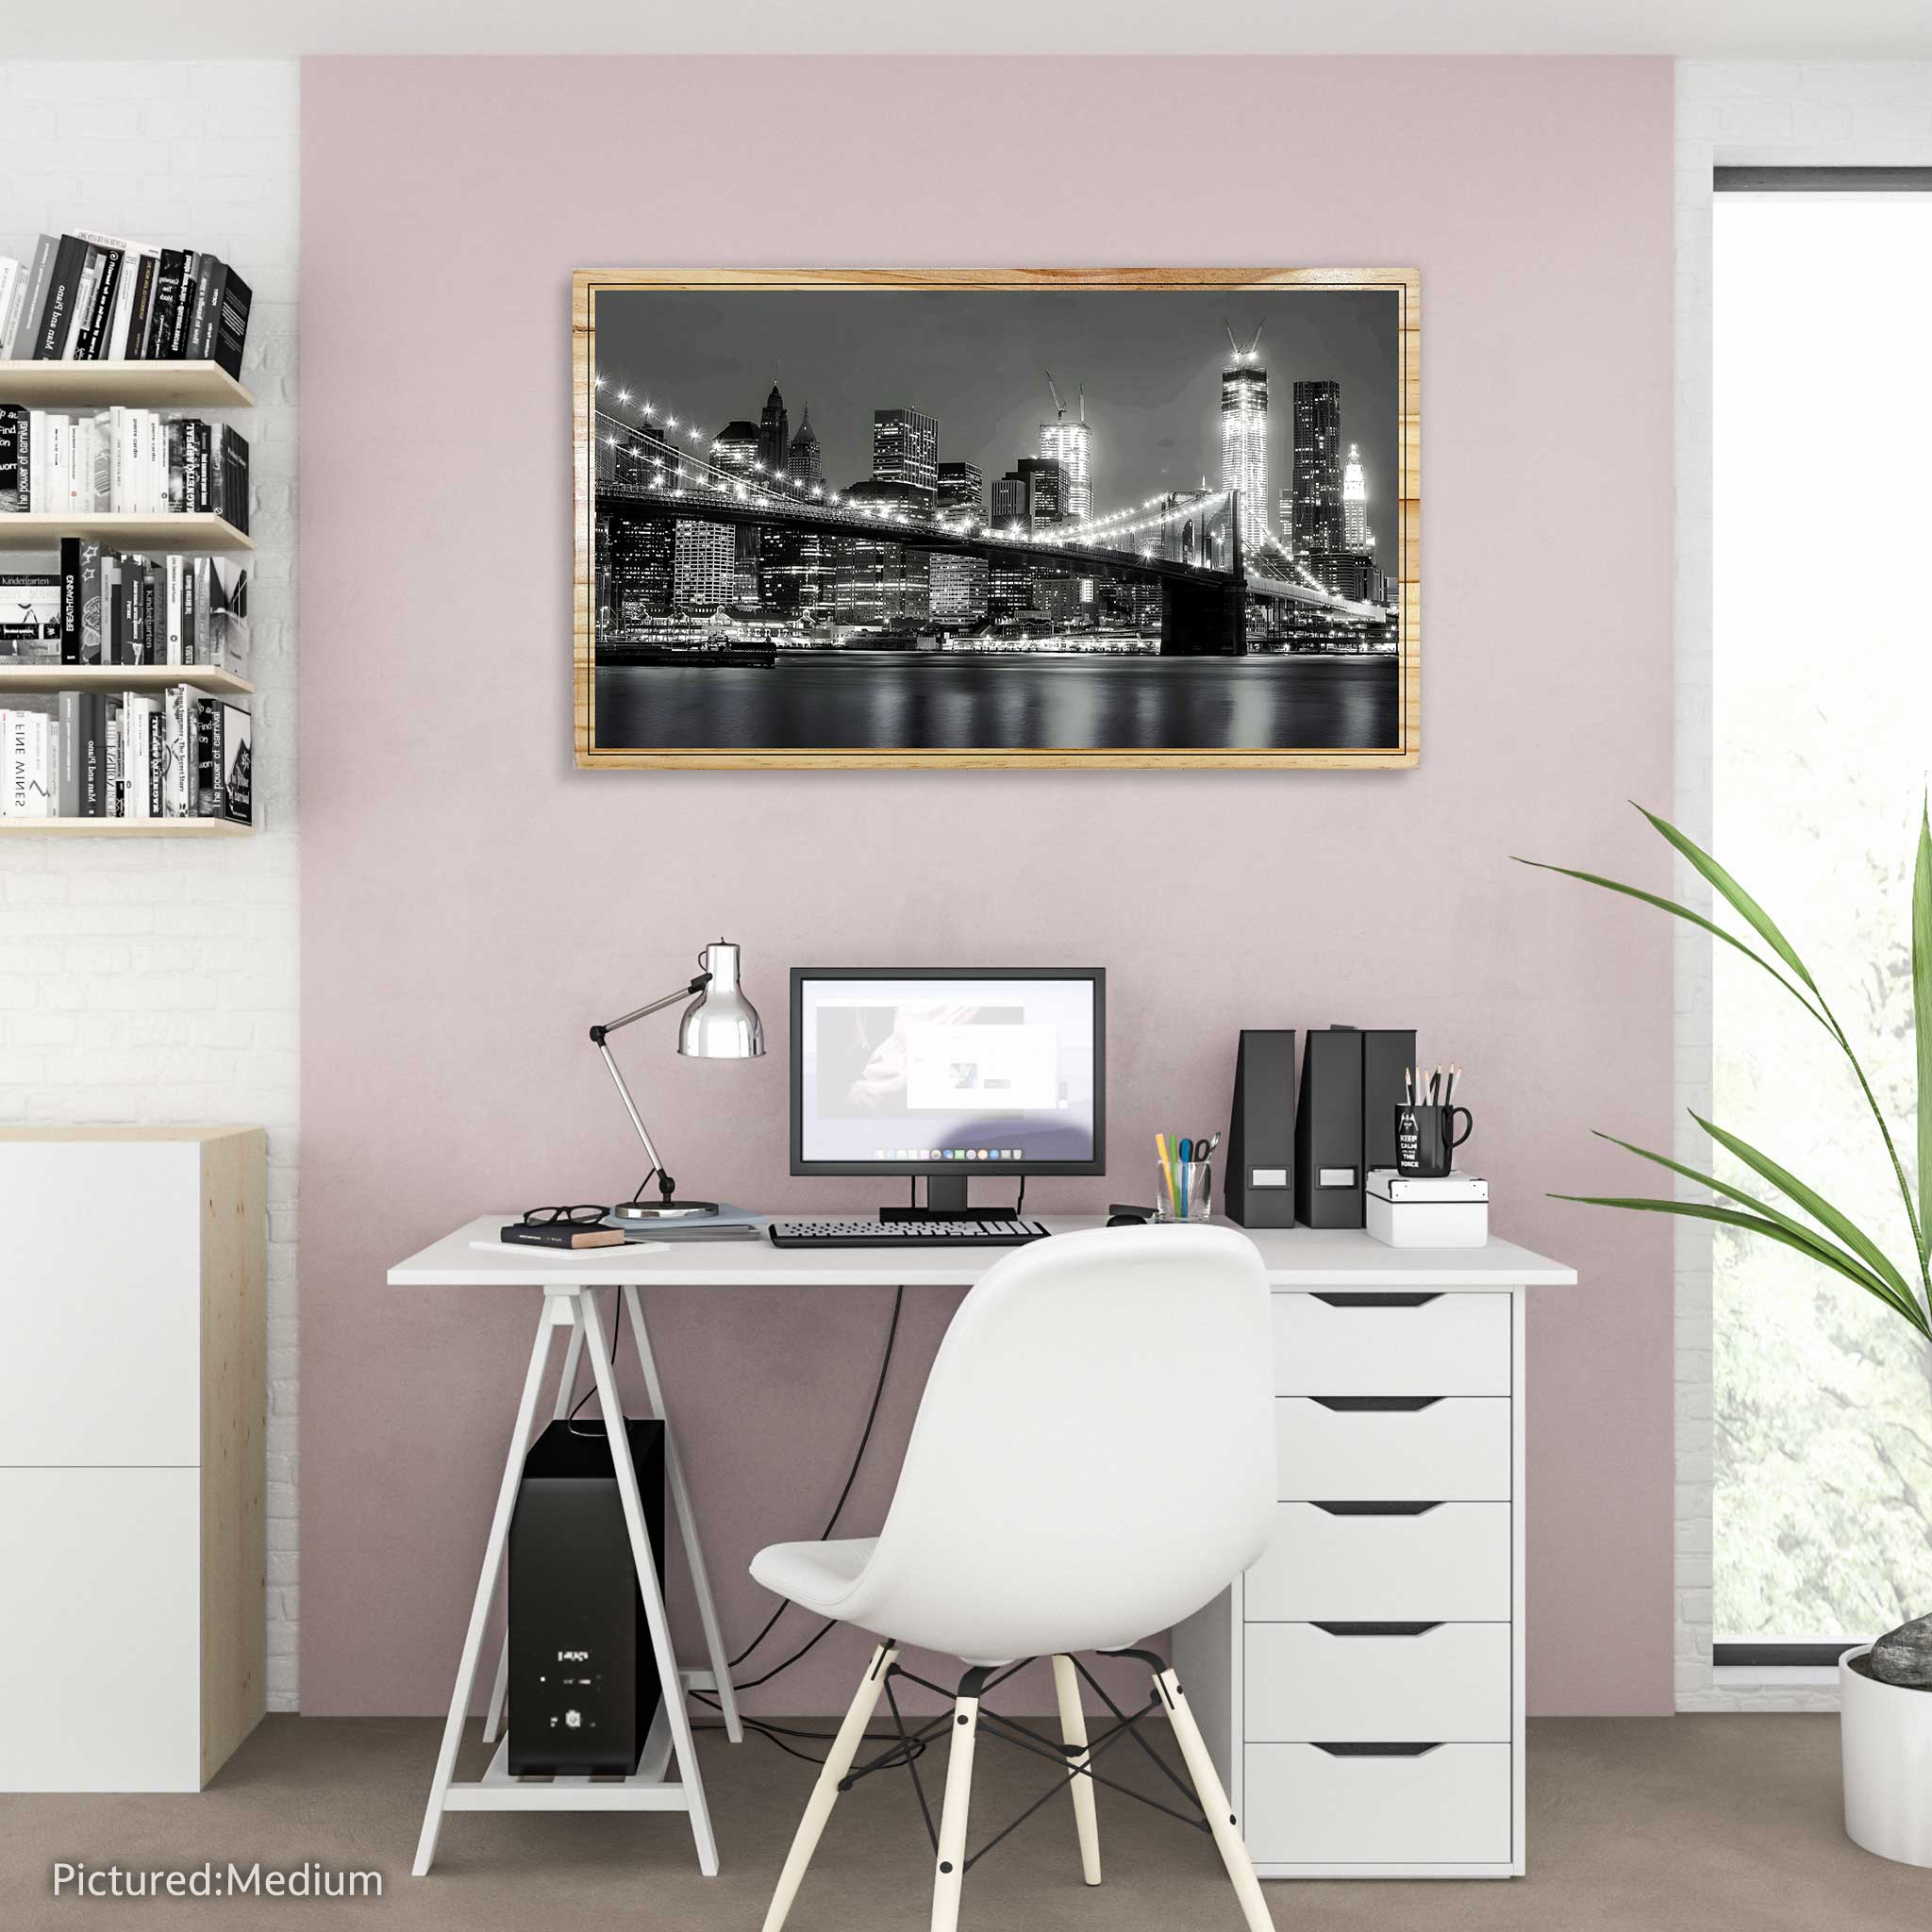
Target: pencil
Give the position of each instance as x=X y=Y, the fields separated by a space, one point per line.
x=1166 y=1168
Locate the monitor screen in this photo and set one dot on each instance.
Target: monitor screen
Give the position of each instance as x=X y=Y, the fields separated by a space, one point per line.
x=898 y=1072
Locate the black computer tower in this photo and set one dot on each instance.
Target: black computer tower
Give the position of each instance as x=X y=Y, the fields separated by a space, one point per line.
x=1345 y=1122
x=1258 y=1187
x=583 y=1681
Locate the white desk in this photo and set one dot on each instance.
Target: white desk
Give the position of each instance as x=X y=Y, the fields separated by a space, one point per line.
x=1408 y=1382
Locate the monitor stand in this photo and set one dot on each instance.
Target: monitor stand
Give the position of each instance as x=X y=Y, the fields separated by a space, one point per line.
x=945 y=1200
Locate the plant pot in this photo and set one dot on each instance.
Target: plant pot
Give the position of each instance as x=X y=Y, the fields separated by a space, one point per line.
x=1886 y=1734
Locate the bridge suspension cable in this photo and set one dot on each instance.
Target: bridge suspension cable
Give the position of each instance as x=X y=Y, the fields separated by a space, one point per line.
x=688 y=457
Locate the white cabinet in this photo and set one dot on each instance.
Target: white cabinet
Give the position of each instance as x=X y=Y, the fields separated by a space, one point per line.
x=132 y=1391
x=1442 y=1805
x=1361 y=1687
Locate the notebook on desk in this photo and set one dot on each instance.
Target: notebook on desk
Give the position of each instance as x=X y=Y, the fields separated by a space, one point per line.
x=728 y=1224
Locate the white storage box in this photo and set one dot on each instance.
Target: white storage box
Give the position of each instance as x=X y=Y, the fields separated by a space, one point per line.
x=1407 y=1211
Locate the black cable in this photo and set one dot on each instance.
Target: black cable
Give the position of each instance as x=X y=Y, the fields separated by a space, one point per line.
x=570 y=1421
x=776 y=1734
x=1020 y=1213
x=838 y=1508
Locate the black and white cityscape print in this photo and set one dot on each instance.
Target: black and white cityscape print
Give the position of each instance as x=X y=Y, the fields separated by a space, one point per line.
x=1018 y=518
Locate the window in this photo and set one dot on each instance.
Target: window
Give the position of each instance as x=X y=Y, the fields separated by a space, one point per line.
x=1822 y=744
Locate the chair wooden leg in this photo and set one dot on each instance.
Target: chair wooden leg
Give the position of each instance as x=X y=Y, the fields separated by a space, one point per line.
x=1221 y=1821
x=824 y=1794
x=951 y=1872
x=1066 y=1684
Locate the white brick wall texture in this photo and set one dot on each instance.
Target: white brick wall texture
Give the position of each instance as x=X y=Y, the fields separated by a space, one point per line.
x=1738 y=114
x=155 y=980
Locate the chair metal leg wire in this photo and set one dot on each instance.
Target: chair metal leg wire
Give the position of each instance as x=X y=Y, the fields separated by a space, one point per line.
x=965 y=1720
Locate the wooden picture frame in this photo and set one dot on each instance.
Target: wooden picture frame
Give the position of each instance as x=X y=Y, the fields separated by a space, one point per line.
x=1403 y=607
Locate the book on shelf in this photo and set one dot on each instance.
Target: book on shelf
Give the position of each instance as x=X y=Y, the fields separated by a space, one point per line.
x=90 y=297
x=173 y=754
x=105 y=607
x=132 y=462
x=30 y=618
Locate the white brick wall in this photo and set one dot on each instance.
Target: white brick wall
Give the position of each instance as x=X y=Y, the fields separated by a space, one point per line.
x=1858 y=113
x=151 y=981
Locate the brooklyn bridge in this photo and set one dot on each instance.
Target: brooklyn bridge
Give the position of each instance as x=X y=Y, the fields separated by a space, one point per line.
x=1226 y=586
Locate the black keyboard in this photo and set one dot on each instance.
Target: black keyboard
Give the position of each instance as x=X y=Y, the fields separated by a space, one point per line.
x=905 y=1234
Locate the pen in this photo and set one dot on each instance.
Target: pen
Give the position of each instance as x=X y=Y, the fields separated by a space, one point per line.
x=1187 y=1153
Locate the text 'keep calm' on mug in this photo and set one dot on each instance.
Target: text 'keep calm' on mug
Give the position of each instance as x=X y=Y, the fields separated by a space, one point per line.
x=1426 y=1140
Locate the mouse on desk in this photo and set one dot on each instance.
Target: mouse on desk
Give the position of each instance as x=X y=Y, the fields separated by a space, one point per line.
x=1125 y=1214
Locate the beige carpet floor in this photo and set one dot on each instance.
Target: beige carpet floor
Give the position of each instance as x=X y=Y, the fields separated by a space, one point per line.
x=1707 y=1824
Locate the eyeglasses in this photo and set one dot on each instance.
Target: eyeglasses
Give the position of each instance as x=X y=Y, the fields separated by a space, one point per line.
x=584 y=1212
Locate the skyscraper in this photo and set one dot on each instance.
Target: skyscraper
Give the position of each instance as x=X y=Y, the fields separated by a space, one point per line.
x=1355 y=534
x=736 y=446
x=801 y=458
x=704 y=563
x=962 y=489
x=775 y=437
x=959 y=588
x=906 y=448
x=1318 y=520
x=1070 y=445
x=1244 y=434
x=1030 y=494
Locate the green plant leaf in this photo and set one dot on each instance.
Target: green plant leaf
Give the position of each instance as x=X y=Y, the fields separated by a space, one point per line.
x=1672 y=906
x=1814 y=1203
x=1922 y=1019
x=1733 y=894
x=1751 y=1223
x=1820 y=1249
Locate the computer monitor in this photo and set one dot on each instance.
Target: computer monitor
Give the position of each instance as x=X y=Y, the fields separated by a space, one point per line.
x=951 y=1073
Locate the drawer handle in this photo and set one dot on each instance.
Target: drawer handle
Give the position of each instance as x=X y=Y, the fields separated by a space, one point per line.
x=1378 y=1629
x=1380 y=1300
x=1348 y=1405
x=1378 y=1508
x=1354 y=1750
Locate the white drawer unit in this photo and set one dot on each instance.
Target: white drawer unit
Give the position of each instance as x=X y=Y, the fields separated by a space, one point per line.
x=1361 y=1687
x=1355 y=1342
x=1418 y=1803
x=1446 y=1562
x=1380 y=1683
x=1349 y=1448
x=133 y=1625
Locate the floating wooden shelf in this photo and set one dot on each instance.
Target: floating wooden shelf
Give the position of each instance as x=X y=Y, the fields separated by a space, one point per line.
x=198 y=531
x=133 y=828
x=57 y=677
x=140 y=385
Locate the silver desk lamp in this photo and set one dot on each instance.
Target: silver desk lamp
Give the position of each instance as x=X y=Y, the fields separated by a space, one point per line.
x=719 y=1024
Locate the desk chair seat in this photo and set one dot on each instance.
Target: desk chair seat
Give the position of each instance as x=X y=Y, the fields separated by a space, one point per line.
x=816 y=1577
x=1093 y=1460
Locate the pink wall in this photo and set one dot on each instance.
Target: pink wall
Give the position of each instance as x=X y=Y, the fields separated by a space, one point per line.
x=444 y=1067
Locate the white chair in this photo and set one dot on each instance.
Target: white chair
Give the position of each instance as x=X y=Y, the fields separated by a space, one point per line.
x=1093 y=1460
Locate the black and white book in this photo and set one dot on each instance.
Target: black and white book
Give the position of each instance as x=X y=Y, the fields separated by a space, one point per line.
x=231 y=321
x=19 y=344
x=96 y=800
x=30 y=618
x=131 y=333
x=13 y=277
x=70 y=600
x=67 y=727
x=53 y=321
x=16 y=458
x=237 y=765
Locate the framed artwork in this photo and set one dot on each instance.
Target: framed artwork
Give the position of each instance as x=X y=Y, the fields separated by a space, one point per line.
x=1014 y=517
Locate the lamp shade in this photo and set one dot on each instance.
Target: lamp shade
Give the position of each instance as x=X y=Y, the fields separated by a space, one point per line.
x=721 y=1024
